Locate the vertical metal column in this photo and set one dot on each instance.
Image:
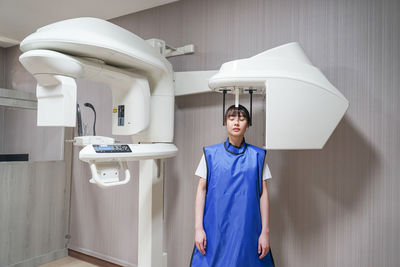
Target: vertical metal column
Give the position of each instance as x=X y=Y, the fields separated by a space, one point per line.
x=223 y=106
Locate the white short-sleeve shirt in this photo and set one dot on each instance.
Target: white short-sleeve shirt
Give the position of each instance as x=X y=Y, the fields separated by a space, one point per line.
x=201 y=170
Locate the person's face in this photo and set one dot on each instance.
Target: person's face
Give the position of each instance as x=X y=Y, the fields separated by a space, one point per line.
x=236 y=125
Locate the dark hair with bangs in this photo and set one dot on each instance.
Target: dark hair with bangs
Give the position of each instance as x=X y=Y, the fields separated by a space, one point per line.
x=241 y=111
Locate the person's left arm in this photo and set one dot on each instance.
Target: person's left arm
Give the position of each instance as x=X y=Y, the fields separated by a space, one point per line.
x=263 y=240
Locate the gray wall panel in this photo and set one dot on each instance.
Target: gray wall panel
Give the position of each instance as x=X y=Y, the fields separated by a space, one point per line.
x=2 y=84
x=2 y=130
x=2 y=67
x=16 y=77
x=33 y=218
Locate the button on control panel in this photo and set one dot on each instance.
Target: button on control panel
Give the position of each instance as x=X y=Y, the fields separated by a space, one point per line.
x=112 y=148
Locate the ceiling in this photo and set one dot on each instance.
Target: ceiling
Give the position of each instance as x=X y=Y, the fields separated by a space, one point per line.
x=19 y=18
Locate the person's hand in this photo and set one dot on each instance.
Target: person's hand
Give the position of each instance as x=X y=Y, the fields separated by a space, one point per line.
x=201 y=241
x=263 y=245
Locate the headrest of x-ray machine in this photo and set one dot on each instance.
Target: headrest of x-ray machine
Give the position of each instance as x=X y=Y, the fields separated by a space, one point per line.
x=302 y=106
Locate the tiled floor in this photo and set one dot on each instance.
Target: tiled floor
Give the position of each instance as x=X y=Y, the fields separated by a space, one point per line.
x=68 y=262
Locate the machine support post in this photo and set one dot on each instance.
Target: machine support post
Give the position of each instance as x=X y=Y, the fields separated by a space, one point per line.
x=150 y=225
x=251 y=106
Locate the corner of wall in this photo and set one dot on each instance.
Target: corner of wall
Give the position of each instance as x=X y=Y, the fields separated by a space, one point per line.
x=2 y=67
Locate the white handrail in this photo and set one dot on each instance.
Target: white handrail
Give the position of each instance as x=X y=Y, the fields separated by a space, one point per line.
x=96 y=179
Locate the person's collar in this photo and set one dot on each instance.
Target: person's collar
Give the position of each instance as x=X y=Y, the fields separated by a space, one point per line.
x=235 y=149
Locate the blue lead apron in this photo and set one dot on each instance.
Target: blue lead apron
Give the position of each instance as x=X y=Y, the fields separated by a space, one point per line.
x=232 y=219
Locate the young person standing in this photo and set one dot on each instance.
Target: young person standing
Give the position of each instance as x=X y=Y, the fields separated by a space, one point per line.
x=232 y=207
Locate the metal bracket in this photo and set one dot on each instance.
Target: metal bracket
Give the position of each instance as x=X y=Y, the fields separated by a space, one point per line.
x=169 y=51
x=184 y=50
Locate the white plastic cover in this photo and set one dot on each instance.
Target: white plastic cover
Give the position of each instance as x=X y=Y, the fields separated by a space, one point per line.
x=141 y=79
x=302 y=106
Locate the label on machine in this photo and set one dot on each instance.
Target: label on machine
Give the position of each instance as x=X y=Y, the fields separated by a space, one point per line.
x=121 y=115
x=112 y=148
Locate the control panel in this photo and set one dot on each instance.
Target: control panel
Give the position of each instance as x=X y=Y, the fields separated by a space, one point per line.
x=112 y=148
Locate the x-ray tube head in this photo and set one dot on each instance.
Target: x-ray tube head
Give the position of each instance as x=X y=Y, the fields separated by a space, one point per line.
x=141 y=79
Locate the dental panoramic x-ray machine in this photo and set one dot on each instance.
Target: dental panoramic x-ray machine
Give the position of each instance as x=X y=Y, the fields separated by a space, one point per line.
x=302 y=106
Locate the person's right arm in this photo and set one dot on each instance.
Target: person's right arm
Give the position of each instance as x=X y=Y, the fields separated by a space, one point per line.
x=201 y=239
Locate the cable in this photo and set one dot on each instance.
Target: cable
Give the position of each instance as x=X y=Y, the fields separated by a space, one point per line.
x=94 y=123
x=79 y=118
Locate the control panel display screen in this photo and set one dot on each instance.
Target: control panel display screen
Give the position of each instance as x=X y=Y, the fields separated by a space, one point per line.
x=112 y=148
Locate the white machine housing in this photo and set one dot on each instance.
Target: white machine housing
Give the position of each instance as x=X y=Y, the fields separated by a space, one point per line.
x=302 y=106
x=141 y=79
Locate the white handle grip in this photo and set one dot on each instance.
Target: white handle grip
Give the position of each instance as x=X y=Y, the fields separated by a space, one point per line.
x=99 y=182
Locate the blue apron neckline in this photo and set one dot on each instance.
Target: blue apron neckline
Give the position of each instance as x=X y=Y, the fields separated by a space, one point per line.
x=235 y=149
